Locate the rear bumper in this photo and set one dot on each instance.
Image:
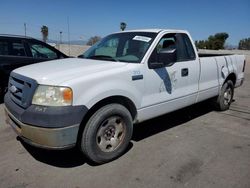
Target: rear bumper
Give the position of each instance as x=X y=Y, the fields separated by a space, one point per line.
x=49 y=138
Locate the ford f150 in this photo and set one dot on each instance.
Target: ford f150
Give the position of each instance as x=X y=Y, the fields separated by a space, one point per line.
x=126 y=78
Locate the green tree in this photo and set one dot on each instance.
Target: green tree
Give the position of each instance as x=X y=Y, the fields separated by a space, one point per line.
x=217 y=44
x=244 y=44
x=201 y=44
x=221 y=36
x=93 y=40
x=214 y=42
x=45 y=33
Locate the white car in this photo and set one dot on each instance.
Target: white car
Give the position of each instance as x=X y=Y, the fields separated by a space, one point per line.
x=126 y=78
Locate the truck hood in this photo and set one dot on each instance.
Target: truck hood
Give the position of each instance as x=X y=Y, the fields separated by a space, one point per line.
x=58 y=71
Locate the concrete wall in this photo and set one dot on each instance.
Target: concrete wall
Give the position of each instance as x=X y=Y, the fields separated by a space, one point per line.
x=72 y=50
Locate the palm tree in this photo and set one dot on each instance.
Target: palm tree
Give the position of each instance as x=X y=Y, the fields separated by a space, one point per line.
x=123 y=26
x=45 y=33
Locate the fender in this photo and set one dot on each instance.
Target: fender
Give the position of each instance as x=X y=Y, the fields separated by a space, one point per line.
x=102 y=90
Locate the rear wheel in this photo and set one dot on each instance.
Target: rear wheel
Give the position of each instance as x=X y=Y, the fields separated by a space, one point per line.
x=107 y=133
x=226 y=96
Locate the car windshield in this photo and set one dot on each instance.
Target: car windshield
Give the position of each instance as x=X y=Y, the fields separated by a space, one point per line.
x=122 y=47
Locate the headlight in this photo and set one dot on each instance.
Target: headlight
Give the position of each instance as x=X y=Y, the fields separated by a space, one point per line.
x=52 y=96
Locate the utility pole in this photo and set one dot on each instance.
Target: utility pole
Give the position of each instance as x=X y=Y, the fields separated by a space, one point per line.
x=60 y=39
x=68 y=36
x=25 y=29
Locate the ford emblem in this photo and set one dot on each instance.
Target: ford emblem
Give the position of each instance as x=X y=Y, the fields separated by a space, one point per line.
x=13 y=89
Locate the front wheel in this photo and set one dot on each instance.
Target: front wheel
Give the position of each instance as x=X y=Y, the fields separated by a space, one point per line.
x=226 y=96
x=107 y=133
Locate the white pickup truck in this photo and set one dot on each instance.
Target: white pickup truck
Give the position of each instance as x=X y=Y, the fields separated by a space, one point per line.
x=126 y=78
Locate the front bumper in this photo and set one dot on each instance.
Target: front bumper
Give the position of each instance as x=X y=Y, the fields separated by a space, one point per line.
x=50 y=128
x=49 y=138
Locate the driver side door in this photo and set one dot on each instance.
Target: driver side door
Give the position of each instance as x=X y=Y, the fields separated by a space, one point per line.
x=170 y=87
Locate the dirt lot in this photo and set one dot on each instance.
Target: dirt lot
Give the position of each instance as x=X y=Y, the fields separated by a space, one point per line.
x=193 y=147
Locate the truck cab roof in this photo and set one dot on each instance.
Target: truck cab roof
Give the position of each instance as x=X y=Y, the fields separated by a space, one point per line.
x=156 y=30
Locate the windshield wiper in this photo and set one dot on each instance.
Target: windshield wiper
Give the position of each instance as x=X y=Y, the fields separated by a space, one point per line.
x=104 y=57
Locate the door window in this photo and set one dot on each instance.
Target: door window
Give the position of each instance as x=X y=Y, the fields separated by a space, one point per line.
x=41 y=51
x=178 y=41
x=189 y=47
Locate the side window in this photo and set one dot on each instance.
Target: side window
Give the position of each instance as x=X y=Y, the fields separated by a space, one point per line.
x=4 y=48
x=109 y=48
x=18 y=49
x=178 y=41
x=41 y=51
x=185 y=51
x=167 y=42
x=189 y=47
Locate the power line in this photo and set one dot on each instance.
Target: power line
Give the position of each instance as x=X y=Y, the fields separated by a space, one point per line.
x=68 y=35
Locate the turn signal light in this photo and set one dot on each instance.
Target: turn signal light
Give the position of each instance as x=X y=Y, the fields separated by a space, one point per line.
x=67 y=94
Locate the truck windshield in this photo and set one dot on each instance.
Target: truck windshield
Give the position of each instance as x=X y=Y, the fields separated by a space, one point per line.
x=122 y=47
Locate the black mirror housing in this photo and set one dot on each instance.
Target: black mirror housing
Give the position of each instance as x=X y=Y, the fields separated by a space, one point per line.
x=167 y=57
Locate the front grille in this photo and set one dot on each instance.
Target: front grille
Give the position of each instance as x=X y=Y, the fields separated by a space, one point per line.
x=21 y=89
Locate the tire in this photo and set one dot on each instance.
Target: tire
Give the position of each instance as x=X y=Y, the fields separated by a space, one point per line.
x=107 y=134
x=226 y=96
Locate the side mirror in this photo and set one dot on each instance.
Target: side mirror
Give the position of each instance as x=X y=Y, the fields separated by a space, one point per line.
x=167 y=56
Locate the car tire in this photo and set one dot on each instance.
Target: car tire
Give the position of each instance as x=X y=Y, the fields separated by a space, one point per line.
x=225 y=97
x=107 y=134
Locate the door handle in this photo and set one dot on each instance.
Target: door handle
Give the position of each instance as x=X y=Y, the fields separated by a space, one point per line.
x=184 y=72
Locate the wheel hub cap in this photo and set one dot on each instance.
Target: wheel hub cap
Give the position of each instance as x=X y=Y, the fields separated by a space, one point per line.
x=227 y=96
x=110 y=134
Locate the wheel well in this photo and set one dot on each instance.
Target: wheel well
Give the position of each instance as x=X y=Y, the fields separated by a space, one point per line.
x=231 y=77
x=119 y=100
x=109 y=100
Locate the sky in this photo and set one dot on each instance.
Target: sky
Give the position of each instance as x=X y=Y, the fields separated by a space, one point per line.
x=90 y=18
